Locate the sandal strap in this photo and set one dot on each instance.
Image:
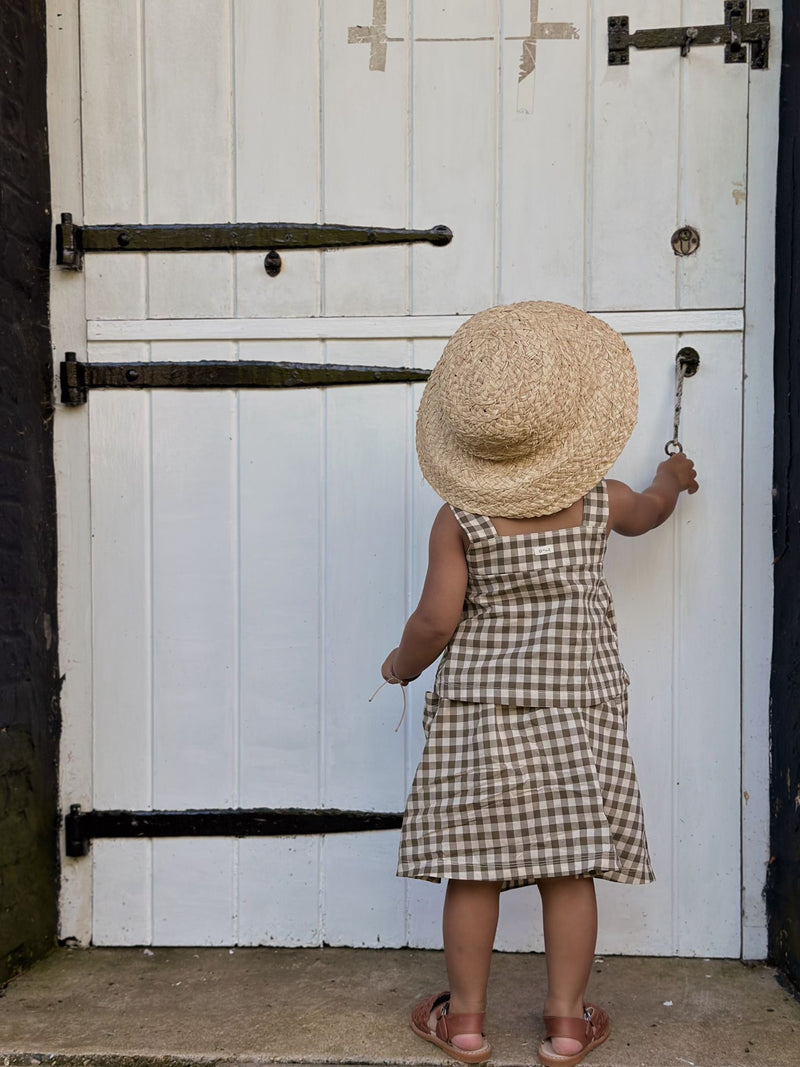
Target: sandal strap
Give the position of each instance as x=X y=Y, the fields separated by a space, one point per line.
x=597 y=1020
x=560 y=1026
x=450 y=1026
x=421 y=1013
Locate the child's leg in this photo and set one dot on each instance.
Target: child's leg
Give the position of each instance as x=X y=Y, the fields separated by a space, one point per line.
x=469 y=924
x=569 y=911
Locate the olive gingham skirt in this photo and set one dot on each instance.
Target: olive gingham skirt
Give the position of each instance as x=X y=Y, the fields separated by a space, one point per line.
x=516 y=794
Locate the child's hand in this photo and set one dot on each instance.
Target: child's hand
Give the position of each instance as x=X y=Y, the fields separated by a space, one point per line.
x=387 y=670
x=681 y=468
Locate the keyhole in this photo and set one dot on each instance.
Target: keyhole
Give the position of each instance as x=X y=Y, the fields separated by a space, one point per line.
x=685 y=241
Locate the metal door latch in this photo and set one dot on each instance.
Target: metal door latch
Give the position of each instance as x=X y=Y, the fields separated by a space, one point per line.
x=735 y=34
x=73 y=241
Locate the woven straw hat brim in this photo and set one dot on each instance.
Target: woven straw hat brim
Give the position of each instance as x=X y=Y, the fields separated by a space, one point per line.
x=597 y=392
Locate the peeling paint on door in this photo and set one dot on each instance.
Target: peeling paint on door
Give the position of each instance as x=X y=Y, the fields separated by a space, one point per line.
x=375 y=36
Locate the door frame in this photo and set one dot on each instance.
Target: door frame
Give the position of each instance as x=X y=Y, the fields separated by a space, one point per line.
x=71 y=453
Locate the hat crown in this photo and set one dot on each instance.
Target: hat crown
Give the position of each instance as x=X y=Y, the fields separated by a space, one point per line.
x=507 y=391
x=527 y=409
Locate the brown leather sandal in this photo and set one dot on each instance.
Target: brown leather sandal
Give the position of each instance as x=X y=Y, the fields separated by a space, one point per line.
x=593 y=1029
x=449 y=1026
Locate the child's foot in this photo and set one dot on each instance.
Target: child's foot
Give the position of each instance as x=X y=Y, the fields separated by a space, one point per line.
x=469 y=1042
x=565 y=1046
x=569 y=1040
x=457 y=1034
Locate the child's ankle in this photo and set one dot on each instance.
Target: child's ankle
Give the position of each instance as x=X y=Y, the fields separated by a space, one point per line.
x=563 y=1008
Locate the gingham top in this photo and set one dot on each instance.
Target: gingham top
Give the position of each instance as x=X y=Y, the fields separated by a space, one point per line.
x=538 y=626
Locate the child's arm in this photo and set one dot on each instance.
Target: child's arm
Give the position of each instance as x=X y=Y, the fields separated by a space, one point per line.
x=633 y=513
x=433 y=623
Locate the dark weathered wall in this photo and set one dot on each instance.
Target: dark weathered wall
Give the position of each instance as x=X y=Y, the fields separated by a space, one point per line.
x=783 y=887
x=28 y=665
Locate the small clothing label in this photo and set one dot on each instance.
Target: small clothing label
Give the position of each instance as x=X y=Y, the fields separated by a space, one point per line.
x=543 y=550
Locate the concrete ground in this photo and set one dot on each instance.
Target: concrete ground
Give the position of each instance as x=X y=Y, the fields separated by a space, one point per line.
x=187 y=1006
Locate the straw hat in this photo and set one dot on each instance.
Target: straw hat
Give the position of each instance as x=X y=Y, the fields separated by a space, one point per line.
x=527 y=410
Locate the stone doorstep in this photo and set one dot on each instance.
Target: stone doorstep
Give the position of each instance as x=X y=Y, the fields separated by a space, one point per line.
x=190 y=1007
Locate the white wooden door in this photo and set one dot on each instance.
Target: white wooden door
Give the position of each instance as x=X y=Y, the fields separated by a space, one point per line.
x=235 y=565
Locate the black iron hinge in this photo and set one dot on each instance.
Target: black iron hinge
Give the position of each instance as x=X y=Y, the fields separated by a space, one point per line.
x=78 y=378
x=735 y=34
x=73 y=241
x=82 y=827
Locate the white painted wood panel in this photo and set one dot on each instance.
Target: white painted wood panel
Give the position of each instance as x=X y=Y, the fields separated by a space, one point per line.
x=285 y=537
x=713 y=177
x=366 y=174
x=71 y=466
x=279 y=892
x=277 y=134
x=635 y=126
x=195 y=600
x=193 y=891
x=364 y=592
x=455 y=163
x=122 y=607
x=700 y=553
x=645 y=582
x=122 y=873
x=281 y=540
x=189 y=144
x=362 y=899
x=542 y=248
x=708 y=767
x=676 y=111
x=114 y=188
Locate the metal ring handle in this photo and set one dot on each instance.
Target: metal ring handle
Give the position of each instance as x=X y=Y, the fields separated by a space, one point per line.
x=673 y=448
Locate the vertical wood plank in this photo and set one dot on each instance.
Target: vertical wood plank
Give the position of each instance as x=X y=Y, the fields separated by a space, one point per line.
x=365 y=116
x=277 y=117
x=641 y=574
x=455 y=20
x=713 y=161
x=113 y=150
x=279 y=892
x=279 y=467
x=365 y=600
x=709 y=695
x=362 y=899
x=543 y=157
x=71 y=459
x=455 y=162
x=122 y=875
x=188 y=52
x=635 y=122
x=121 y=590
x=365 y=590
x=195 y=609
x=280 y=454
x=193 y=891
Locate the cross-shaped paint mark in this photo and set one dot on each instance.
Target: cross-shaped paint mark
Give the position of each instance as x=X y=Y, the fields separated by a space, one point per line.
x=375 y=36
x=541 y=31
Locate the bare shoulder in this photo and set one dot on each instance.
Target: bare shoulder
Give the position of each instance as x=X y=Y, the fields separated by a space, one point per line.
x=446 y=532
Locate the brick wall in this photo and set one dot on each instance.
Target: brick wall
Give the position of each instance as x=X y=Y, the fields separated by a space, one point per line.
x=28 y=664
